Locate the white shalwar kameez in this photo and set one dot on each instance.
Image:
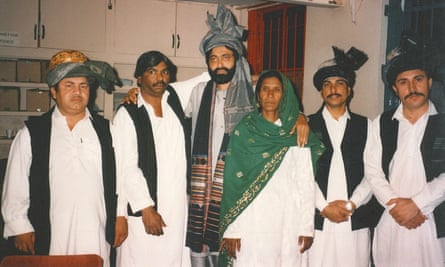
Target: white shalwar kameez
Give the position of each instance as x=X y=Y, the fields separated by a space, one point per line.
x=77 y=208
x=337 y=244
x=140 y=248
x=395 y=245
x=284 y=210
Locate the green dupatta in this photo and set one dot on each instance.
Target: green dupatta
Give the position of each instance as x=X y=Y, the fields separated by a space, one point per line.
x=256 y=150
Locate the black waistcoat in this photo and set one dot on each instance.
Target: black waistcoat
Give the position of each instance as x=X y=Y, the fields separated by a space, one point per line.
x=352 y=148
x=432 y=149
x=39 y=189
x=146 y=146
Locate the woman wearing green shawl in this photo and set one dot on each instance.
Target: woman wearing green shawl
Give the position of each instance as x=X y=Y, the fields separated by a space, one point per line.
x=267 y=207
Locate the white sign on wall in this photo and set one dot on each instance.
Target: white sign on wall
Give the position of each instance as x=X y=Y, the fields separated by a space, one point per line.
x=9 y=39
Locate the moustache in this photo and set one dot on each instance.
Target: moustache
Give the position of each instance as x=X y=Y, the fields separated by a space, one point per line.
x=160 y=84
x=332 y=95
x=218 y=69
x=414 y=94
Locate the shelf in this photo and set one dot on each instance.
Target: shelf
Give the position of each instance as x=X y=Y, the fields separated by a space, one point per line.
x=20 y=113
x=5 y=141
x=24 y=84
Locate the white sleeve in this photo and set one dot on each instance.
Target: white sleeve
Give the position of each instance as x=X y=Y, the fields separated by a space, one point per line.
x=306 y=189
x=184 y=88
x=15 y=198
x=131 y=183
x=373 y=167
x=431 y=195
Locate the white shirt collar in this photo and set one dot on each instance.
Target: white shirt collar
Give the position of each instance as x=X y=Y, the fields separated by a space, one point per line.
x=141 y=100
x=327 y=115
x=58 y=115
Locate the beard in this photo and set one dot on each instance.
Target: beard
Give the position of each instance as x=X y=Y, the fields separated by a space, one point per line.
x=222 y=78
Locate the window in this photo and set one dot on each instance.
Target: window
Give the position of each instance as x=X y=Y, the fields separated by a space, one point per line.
x=276 y=41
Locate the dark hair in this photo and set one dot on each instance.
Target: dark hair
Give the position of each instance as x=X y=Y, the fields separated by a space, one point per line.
x=208 y=53
x=266 y=74
x=152 y=58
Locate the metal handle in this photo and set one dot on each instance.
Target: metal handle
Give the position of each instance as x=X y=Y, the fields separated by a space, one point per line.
x=35 y=31
x=43 y=31
x=173 y=40
x=110 y=5
x=179 y=41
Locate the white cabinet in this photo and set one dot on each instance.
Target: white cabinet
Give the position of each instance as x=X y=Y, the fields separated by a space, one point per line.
x=19 y=23
x=78 y=24
x=174 y=28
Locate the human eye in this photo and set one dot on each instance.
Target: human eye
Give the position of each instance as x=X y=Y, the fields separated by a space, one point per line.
x=341 y=82
x=165 y=72
x=68 y=85
x=326 y=84
x=419 y=78
x=151 y=72
x=213 y=59
x=226 y=57
x=401 y=82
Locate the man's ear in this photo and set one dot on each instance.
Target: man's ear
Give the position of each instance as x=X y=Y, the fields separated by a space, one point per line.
x=394 y=88
x=430 y=82
x=53 y=92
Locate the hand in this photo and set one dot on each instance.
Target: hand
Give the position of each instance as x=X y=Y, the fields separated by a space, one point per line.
x=302 y=128
x=131 y=97
x=232 y=245
x=415 y=222
x=336 y=211
x=153 y=221
x=25 y=242
x=120 y=230
x=403 y=211
x=345 y=204
x=305 y=243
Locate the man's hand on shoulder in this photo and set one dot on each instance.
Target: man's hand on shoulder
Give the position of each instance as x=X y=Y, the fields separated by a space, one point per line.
x=131 y=97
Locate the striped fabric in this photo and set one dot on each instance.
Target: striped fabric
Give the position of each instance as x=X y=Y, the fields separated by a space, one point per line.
x=205 y=198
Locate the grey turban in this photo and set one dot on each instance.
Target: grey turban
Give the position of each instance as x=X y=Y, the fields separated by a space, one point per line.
x=99 y=72
x=224 y=31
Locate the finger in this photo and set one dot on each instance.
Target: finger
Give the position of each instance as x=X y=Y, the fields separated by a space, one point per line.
x=292 y=130
x=222 y=245
x=392 y=201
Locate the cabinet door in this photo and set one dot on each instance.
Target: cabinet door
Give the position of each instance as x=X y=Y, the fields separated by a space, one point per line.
x=143 y=25
x=18 y=23
x=191 y=26
x=74 y=24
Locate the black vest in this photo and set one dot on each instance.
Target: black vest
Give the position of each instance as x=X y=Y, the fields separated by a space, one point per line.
x=432 y=149
x=39 y=189
x=352 y=147
x=146 y=146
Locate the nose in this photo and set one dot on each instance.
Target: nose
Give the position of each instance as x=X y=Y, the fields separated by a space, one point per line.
x=76 y=89
x=159 y=76
x=412 y=85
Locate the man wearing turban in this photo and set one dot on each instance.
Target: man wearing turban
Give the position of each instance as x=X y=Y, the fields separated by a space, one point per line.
x=343 y=215
x=60 y=196
x=215 y=107
x=405 y=167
